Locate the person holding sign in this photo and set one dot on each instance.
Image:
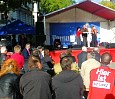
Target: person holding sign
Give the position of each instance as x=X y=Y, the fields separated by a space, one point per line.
x=102 y=80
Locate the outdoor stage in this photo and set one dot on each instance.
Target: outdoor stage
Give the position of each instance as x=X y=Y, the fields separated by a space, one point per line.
x=56 y=53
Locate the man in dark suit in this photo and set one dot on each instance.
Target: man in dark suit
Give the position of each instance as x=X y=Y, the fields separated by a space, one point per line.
x=26 y=51
x=26 y=54
x=97 y=55
x=82 y=56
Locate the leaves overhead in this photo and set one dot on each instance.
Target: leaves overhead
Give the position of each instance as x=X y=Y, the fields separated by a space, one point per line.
x=47 y=6
x=108 y=4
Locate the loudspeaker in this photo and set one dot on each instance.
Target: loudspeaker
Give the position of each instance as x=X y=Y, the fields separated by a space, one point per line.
x=104 y=44
x=39 y=28
x=40 y=39
x=76 y=47
x=110 y=45
x=57 y=43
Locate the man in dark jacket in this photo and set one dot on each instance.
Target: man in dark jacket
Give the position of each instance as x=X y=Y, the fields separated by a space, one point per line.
x=35 y=83
x=67 y=84
x=97 y=55
x=26 y=54
x=82 y=56
x=26 y=51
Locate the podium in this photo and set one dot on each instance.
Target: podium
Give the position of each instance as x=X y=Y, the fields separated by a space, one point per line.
x=89 y=38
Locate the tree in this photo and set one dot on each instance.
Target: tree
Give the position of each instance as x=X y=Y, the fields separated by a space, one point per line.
x=8 y=5
x=48 y=6
x=108 y=4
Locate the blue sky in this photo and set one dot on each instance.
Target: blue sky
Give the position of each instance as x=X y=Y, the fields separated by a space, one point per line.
x=91 y=0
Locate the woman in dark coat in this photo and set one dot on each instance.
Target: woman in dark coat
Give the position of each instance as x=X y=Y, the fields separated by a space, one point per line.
x=35 y=83
x=9 y=80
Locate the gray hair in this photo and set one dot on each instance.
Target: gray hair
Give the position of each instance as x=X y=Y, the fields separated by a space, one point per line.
x=3 y=49
x=91 y=55
x=84 y=48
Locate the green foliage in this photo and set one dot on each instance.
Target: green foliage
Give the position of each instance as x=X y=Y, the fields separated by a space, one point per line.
x=108 y=4
x=52 y=5
x=44 y=5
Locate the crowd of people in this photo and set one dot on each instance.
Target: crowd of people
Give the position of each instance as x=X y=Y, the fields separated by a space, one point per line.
x=33 y=74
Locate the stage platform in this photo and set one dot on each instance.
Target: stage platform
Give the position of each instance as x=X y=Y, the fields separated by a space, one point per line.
x=75 y=51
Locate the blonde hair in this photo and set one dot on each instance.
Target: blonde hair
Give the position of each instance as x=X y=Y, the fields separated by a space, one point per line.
x=9 y=66
x=17 y=48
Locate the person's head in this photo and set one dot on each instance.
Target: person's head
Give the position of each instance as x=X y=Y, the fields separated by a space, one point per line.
x=84 y=26
x=34 y=60
x=3 y=49
x=69 y=52
x=93 y=27
x=90 y=55
x=78 y=28
x=63 y=54
x=17 y=49
x=96 y=49
x=66 y=63
x=84 y=48
x=106 y=58
x=9 y=66
x=27 y=46
x=35 y=52
x=40 y=48
x=46 y=52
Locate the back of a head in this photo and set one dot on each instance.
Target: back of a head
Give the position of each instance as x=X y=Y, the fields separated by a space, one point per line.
x=84 y=48
x=39 y=47
x=3 y=49
x=96 y=49
x=17 y=49
x=106 y=58
x=91 y=55
x=46 y=52
x=68 y=51
x=35 y=52
x=9 y=66
x=63 y=54
x=34 y=59
x=66 y=62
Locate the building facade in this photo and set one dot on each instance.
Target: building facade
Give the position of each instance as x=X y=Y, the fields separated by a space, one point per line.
x=23 y=13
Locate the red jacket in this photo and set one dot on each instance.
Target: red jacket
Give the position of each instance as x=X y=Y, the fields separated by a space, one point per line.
x=19 y=59
x=78 y=33
x=102 y=83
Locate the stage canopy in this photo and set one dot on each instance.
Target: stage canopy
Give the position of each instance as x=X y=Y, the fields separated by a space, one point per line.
x=89 y=6
x=17 y=27
x=71 y=17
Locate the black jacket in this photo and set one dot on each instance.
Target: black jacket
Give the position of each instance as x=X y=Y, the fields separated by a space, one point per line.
x=25 y=53
x=81 y=58
x=9 y=86
x=68 y=85
x=35 y=85
x=97 y=56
